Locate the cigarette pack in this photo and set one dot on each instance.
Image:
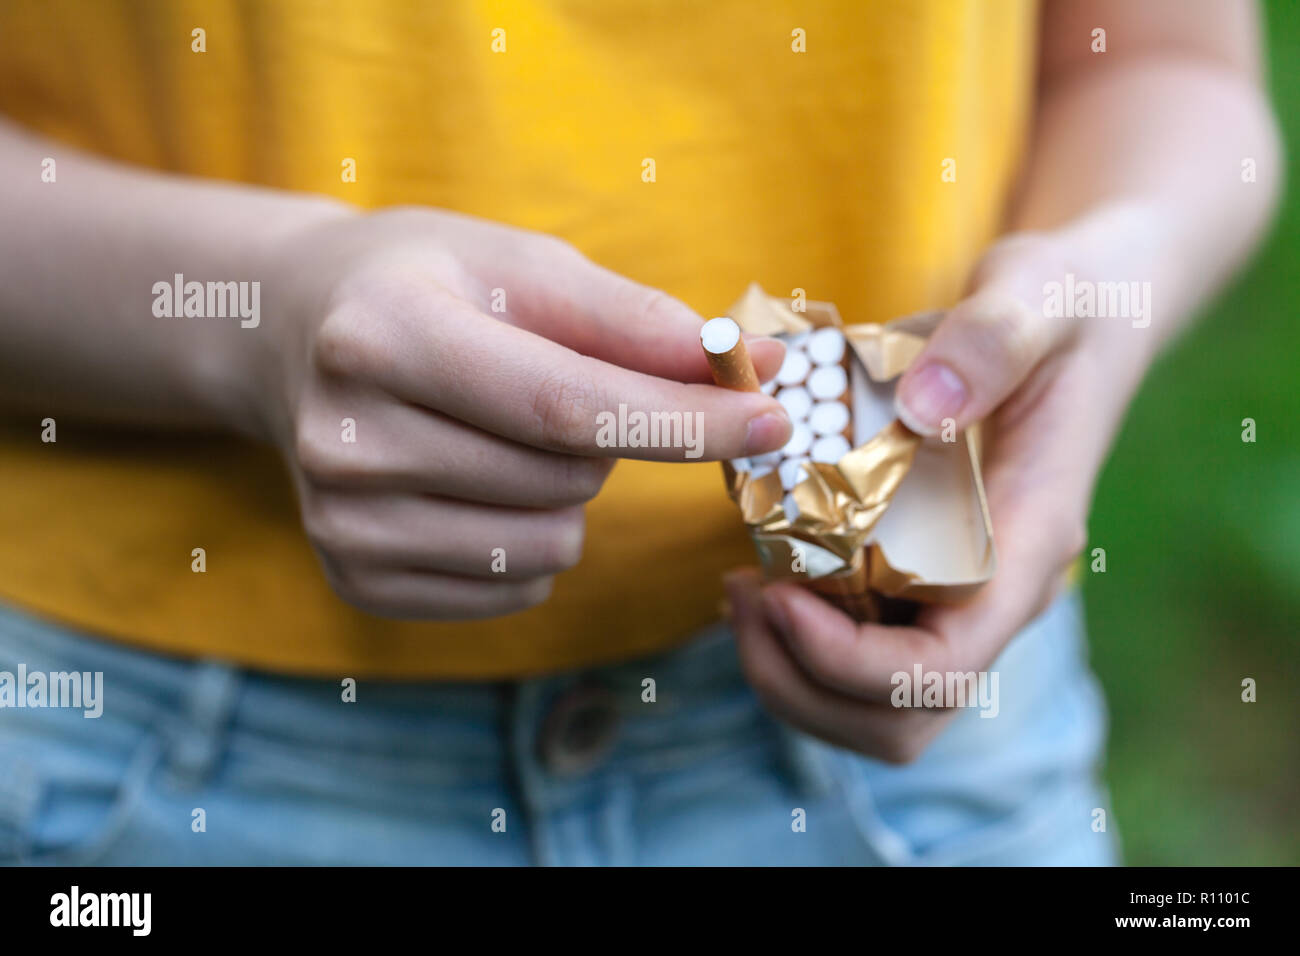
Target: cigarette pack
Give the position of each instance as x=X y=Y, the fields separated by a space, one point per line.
x=856 y=506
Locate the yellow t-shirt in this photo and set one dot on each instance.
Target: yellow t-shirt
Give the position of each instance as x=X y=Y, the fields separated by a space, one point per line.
x=861 y=151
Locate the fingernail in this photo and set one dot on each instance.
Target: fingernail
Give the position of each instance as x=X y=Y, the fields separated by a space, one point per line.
x=774 y=611
x=930 y=395
x=767 y=432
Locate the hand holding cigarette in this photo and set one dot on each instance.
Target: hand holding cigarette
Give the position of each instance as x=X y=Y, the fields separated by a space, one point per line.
x=473 y=429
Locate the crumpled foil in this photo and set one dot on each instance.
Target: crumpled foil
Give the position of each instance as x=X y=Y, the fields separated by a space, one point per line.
x=830 y=546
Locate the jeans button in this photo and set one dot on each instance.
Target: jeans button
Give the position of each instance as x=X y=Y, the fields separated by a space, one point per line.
x=579 y=730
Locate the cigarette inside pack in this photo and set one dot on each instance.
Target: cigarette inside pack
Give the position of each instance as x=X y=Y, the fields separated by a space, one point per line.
x=856 y=506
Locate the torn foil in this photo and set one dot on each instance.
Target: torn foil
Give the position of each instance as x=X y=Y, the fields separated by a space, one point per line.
x=844 y=543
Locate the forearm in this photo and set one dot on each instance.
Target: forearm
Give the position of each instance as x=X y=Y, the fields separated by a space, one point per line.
x=1141 y=163
x=79 y=258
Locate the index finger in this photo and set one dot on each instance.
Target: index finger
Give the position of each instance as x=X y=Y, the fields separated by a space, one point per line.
x=440 y=352
x=563 y=296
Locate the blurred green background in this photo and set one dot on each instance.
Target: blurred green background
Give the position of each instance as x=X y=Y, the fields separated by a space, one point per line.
x=1202 y=539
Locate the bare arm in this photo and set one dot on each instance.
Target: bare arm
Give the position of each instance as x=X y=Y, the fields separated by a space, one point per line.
x=1135 y=174
x=474 y=429
x=78 y=259
x=1160 y=126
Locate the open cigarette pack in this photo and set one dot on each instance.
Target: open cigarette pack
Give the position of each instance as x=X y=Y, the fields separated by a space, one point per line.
x=855 y=505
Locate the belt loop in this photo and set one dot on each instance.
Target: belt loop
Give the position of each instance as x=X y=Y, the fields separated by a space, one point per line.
x=808 y=773
x=207 y=706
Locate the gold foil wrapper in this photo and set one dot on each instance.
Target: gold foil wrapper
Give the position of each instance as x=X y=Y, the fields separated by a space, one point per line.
x=939 y=548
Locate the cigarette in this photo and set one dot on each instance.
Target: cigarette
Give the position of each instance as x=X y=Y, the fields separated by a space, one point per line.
x=801 y=439
x=728 y=358
x=830 y=449
x=829 y=418
x=794 y=369
x=796 y=401
x=826 y=346
x=791 y=472
x=829 y=381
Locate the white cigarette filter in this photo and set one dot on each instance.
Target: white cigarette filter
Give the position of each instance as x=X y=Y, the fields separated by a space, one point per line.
x=828 y=418
x=796 y=401
x=729 y=360
x=801 y=439
x=791 y=471
x=828 y=381
x=826 y=346
x=830 y=450
x=795 y=368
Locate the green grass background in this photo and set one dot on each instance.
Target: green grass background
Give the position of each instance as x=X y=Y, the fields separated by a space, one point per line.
x=1202 y=588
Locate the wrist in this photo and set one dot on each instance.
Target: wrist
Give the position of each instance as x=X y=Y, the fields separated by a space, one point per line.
x=1120 y=280
x=245 y=378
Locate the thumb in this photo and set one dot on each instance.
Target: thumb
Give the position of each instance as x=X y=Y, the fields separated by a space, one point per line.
x=988 y=343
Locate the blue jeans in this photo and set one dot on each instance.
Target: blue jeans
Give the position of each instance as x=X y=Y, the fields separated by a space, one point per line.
x=198 y=762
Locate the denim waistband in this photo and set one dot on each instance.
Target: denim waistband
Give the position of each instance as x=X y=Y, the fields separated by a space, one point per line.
x=460 y=723
x=583 y=755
